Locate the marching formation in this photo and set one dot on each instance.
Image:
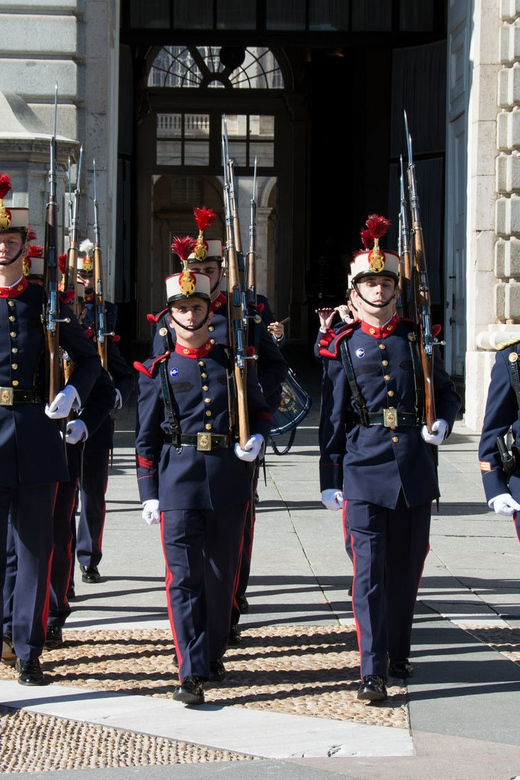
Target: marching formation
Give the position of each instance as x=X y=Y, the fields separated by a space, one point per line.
x=206 y=397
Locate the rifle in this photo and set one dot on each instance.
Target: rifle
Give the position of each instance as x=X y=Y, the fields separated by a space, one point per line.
x=237 y=315
x=404 y=250
x=69 y=277
x=251 y=255
x=50 y=315
x=420 y=292
x=99 y=301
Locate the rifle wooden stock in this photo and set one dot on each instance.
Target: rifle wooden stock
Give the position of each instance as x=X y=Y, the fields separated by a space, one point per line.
x=99 y=307
x=422 y=317
x=51 y=313
x=236 y=300
x=421 y=291
x=236 y=334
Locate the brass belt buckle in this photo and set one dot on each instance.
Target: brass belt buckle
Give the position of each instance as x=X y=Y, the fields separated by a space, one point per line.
x=204 y=442
x=6 y=396
x=390 y=418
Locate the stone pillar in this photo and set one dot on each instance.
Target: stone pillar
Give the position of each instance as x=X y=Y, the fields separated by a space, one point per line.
x=493 y=196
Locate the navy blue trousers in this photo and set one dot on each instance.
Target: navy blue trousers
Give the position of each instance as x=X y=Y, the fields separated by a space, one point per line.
x=389 y=548
x=25 y=565
x=202 y=549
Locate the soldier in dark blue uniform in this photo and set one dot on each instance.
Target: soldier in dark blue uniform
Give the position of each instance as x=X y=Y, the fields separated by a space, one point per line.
x=95 y=410
x=271 y=368
x=194 y=478
x=32 y=450
x=88 y=537
x=377 y=463
x=501 y=478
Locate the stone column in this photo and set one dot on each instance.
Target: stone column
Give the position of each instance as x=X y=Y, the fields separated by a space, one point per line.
x=493 y=299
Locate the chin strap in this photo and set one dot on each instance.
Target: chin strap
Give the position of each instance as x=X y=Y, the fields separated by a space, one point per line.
x=191 y=328
x=376 y=305
x=9 y=262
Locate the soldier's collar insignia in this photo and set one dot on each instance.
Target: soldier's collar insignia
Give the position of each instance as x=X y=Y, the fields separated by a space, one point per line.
x=15 y=290
x=219 y=302
x=380 y=333
x=189 y=352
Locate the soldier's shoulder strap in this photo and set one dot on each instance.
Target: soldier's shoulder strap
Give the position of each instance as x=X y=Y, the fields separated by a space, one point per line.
x=513 y=367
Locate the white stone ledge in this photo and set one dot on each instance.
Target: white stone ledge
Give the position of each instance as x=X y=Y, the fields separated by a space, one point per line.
x=491 y=340
x=509 y=10
x=509 y=43
x=49 y=35
x=34 y=79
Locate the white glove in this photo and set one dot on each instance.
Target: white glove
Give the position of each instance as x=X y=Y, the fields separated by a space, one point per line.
x=504 y=504
x=65 y=400
x=441 y=429
x=333 y=499
x=252 y=448
x=151 y=511
x=76 y=431
x=118 y=404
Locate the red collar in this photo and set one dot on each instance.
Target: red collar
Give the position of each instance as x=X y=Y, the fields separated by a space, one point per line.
x=14 y=291
x=201 y=352
x=219 y=302
x=380 y=333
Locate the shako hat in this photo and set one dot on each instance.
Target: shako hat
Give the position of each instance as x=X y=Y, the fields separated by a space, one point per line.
x=34 y=262
x=205 y=248
x=11 y=218
x=187 y=284
x=373 y=260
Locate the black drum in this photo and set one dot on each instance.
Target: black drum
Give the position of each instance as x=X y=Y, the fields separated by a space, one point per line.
x=295 y=405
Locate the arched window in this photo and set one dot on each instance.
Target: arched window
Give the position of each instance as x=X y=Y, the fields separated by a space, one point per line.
x=212 y=66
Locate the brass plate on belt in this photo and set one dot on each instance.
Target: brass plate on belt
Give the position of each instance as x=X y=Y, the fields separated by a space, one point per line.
x=204 y=442
x=6 y=396
x=389 y=418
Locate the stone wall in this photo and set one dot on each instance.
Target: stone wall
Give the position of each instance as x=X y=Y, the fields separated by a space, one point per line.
x=493 y=271
x=73 y=44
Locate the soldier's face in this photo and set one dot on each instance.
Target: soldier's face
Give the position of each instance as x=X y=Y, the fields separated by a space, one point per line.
x=212 y=269
x=379 y=290
x=190 y=313
x=10 y=246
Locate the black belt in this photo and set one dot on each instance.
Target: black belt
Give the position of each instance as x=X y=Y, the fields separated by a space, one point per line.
x=13 y=395
x=391 y=418
x=204 y=442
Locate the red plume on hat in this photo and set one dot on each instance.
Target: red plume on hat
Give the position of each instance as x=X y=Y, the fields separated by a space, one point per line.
x=62 y=262
x=375 y=228
x=204 y=218
x=5 y=187
x=31 y=234
x=35 y=250
x=183 y=246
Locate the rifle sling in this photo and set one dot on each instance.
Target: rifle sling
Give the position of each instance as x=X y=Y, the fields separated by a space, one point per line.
x=515 y=374
x=168 y=403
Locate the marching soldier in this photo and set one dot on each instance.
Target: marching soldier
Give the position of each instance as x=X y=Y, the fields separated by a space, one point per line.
x=499 y=467
x=377 y=464
x=96 y=454
x=271 y=368
x=32 y=449
x=193 y=478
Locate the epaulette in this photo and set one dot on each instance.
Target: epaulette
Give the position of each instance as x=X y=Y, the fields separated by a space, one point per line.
x=505 y=344
x=156 y=317
x=332 y=348
x=153 y=365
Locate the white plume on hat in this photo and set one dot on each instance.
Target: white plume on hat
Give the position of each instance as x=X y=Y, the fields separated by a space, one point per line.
x=86 y=246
